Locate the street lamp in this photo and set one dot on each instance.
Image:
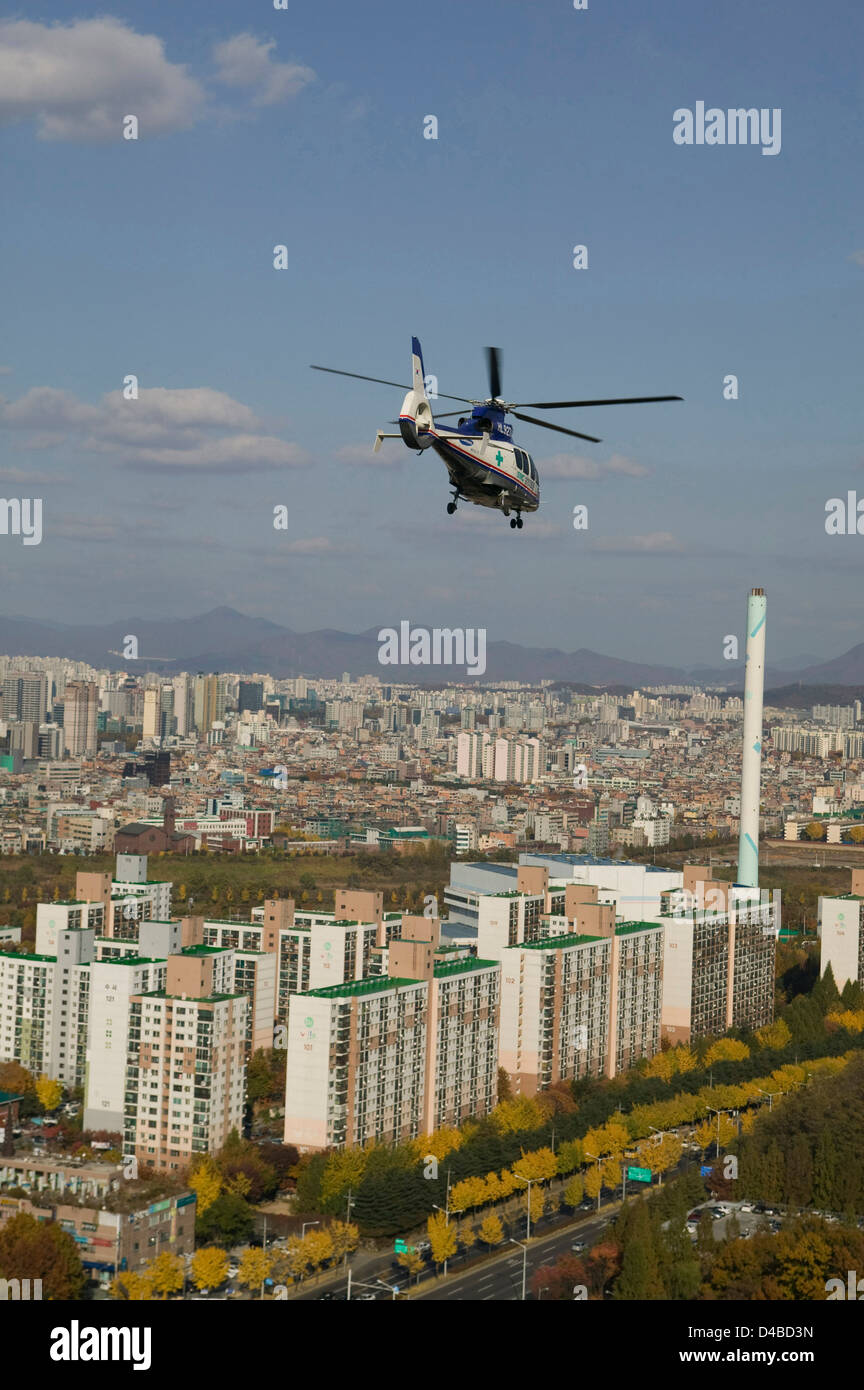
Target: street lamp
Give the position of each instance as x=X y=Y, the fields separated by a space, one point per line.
x=711 y=1111
x=770 y=1095
x=305 y=1224
x=524 y=1261
x=529 y=1182
x=379 y=1284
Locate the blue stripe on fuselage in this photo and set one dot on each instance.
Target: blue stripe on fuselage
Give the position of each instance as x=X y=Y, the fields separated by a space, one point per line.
x=482 y=463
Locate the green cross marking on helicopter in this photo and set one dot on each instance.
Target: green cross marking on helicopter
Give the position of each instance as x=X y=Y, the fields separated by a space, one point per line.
x=499 y=457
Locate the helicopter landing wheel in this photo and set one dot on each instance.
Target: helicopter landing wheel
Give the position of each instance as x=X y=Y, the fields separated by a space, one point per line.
x=519 y=522
x=451 y=507
x=513 y=523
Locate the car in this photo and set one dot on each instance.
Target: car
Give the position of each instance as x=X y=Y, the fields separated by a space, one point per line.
x=747 y=1206
x=695 y=1215
x=366 y=1297
x=328 y=1297
x=233 y=1271
x=577 y=1247
x=587 y=1204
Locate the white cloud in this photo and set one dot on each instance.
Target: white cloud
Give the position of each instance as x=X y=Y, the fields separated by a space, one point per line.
x=244 y=61
x=857 y=257
x=78 y=80
x=241 y=453
x=310 y=545
x=27 y=477
x=390 y=455
x=577 y=466
x=653 y=543
x=194 y=428
x=81 y=528
x=470 y=517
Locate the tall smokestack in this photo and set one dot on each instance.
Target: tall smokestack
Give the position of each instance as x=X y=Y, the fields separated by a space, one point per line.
x=751 y=761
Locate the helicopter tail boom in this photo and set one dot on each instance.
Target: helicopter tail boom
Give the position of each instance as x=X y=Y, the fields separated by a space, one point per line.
x=415 y=417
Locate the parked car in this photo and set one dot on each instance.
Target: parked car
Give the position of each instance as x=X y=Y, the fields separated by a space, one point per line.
x=577 y=1247
x=747 y=1206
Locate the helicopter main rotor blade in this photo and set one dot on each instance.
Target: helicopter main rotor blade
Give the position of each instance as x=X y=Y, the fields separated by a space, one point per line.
x=493 y=362
x=544 y=424
x=358 y=376
x=621 y=400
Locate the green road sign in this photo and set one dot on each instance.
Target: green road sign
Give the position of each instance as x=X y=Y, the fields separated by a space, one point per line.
x=399 y=1247
x=638 y=1174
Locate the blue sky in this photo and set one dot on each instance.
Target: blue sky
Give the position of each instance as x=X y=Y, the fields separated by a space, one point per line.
x=305 y=127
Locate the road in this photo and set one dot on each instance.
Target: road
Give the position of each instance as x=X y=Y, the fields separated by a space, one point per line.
x=501 y=1280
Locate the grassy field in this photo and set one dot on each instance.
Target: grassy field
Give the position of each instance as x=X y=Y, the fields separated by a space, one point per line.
x=229 y=885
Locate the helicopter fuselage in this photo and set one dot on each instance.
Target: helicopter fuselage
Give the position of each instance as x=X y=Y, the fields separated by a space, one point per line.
x=484 y=463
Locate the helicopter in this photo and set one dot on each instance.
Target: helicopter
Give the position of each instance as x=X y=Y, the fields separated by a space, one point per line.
x=481 y=456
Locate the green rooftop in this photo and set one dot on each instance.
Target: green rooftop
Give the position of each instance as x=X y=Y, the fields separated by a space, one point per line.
x=133 y=960
x=556 y=943
x=203 y=950
x=627 y=927
x=463 y=967
x=189 y=998
x=374 y=984
x=28 y=956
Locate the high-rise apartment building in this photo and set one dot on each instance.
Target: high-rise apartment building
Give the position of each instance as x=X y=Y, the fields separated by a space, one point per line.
x=209 y=702
x=44 y=1006
x=720 y=944
x=80 y=709
x=152 y=714
x=186 y=1078
x=394 y=1057
x=25 y=697
x=250 y=696
x=184 y=705
x=580 y=994
x=113 y=983
x=841 y=930
x=312 y=950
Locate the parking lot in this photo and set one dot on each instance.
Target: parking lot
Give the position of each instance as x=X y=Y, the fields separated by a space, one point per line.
x=750 y=1216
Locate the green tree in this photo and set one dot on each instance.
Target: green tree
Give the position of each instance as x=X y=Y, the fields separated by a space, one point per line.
x=209 y=1267
x=165 y=1274
x=228 y=1221
x=49 y=1093
x=574 y=1192
x=491 y=1231
x=31 y=1249
x=412 y=1262
x=640 y=1278
x=255 y=1266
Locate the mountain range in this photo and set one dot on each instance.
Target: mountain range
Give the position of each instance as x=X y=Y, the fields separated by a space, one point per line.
x=225 y=640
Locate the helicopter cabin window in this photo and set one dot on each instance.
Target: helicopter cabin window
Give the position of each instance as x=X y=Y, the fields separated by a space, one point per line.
x=521 y=461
